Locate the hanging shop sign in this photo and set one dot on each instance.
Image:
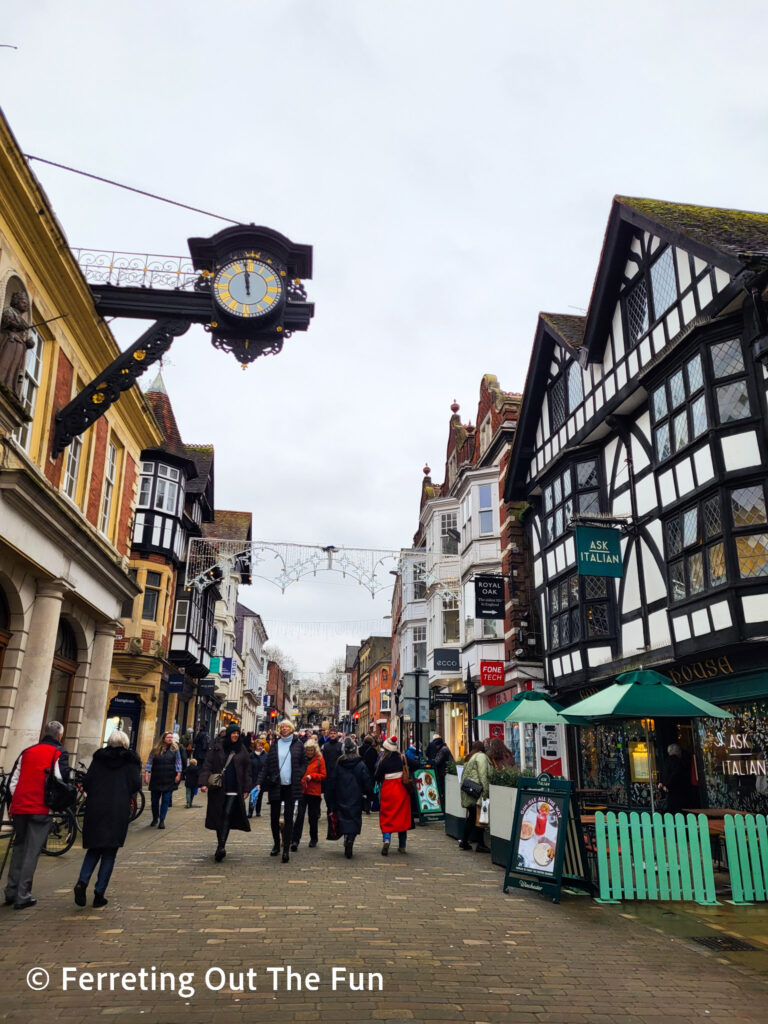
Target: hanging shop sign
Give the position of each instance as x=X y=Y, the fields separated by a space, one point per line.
x=547 y=841
x=491 y=673
x=449 y=698
x=226 y=668
x=489 y=597
x=206 y=687
x=447 y=659
x=176 y=682
x=598 y=551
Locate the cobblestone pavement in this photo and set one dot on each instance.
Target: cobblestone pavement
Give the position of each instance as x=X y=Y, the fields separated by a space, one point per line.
x=448 y=944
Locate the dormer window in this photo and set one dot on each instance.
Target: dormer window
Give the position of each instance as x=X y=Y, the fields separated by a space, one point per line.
x=159 y=487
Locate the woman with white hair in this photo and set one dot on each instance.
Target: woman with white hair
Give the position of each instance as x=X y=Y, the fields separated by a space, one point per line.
x=113 y=777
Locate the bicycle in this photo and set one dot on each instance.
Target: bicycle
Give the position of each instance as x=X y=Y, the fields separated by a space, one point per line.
x=138 y=801
x=63 y=831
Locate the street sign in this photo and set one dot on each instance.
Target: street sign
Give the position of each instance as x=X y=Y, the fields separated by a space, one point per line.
x=449 y=698
x=598 y=551
x=489 y=597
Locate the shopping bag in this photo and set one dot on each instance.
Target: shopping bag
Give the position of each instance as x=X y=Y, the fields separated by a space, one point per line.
x=333 y=826
x=484 y=812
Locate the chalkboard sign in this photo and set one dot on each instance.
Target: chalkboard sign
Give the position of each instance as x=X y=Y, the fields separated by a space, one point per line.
x=547 y=844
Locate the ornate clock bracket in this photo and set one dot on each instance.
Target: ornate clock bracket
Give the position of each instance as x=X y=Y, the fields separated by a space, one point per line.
x=244 y=285
x=94 y=400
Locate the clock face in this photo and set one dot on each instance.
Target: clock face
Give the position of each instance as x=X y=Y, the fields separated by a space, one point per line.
x=250 y=286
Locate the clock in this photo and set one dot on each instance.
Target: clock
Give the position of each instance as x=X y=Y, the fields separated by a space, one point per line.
x=249 y=286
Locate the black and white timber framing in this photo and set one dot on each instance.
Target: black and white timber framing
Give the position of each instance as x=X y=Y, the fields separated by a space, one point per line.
x=652 y=407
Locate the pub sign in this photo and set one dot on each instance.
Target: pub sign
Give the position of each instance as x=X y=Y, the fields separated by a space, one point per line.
x=489 y=597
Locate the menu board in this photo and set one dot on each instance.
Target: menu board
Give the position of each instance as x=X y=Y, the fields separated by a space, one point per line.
x=547 y=842
x=539 y=826
x=426 y=791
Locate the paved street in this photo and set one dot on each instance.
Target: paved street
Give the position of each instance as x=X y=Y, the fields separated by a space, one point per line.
x=449 y=946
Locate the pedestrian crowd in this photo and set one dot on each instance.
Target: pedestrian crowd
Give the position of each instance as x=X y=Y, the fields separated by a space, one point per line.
x=234 y=771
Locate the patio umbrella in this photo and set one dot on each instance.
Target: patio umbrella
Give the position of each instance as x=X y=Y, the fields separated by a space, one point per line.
x=645 y=694
x=528 y=706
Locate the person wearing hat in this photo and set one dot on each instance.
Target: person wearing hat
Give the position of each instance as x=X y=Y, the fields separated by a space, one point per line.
x=395 y=800
x=229 y=758
x=351 y=783
x=281 y=776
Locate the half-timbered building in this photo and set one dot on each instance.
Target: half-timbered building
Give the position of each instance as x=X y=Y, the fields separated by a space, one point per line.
x=649 y=415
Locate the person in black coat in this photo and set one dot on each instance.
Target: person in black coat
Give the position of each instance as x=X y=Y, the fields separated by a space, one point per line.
x=674 y=779
x=202 y=745
x=258 y=760
x=351 y=786
x=281 y=776
x=440 y=761
x=162 y=775
x=226 y=803
x=113 y=777
x=331 y=751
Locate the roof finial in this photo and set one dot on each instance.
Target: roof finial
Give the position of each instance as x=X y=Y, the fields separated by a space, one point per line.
x=426 y=470
x=455 y=407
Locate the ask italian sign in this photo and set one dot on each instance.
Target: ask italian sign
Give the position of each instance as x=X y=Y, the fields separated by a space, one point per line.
x=598 y=551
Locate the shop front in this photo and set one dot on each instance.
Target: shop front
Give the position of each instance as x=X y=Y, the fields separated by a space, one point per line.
x=726 y=759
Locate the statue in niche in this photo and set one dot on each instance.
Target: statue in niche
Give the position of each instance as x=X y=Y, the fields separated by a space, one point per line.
x=15 y=339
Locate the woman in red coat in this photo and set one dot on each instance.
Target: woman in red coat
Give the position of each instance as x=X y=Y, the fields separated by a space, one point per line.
x=395 y=800
x=309 y=801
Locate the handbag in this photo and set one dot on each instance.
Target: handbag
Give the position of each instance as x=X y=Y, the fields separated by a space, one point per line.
x=333 y=827
x=471 y=788
x=58 y=795
x=408 y=782
x=376 y=801
x=216 y=779
x=484 y=812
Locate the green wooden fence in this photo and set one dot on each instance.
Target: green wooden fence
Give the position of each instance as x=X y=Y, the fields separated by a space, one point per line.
x=746 y=845
x=654 y=857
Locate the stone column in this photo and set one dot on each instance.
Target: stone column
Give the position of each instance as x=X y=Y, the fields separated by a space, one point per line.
x=35 y=675
x=95 y=704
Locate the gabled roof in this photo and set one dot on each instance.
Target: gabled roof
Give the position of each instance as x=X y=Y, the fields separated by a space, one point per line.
x=551 y=329
x=202 y=456
x=734 y=240
x=229 y=525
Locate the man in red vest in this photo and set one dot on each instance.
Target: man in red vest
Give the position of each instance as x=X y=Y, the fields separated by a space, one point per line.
x=29 y=811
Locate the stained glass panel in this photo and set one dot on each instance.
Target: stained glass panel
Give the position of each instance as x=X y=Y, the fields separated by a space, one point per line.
x=677 y=580
x=663 y=283
x=752 y=552
x=660 y=402
x=695 y=374
x=637 y=311
x=597 y=620
x=716 y=560
x=711 y=515
x=661 y=437
x=695 y=573
x=676 y=389
x=748 y=505
x=733 y=401
x=587 y=474
x=727 y=358
x=699 y=416
x=674 y=537
x=555 y=600
x=555 y=633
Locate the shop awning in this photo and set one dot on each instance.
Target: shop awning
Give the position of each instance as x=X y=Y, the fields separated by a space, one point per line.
x=725 y=691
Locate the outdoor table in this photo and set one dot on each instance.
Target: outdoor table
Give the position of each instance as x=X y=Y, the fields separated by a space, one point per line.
x=711 y=812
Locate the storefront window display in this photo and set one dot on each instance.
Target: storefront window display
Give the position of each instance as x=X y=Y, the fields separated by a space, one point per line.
x=734 y=754
x=512 y=739
x=613 y=757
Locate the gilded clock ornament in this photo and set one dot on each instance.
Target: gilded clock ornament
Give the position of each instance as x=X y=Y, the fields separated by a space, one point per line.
x=249 y=286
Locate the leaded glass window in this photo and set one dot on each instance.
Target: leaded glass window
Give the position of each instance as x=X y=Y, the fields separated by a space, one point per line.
x=566 y=609
x=679 y=409
x=574 y=490
x=663 y=283
x=727 y=358
x=733 y=401
x=637 y=311
x=748 y=509
x=557 y=406
x=695 y=549
x=575 y=386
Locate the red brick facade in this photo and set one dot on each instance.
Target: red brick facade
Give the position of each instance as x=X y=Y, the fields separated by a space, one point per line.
x=93 y=505
x=62 y=393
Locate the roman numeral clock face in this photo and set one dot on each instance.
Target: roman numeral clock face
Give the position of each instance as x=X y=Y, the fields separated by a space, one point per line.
x=250 y=286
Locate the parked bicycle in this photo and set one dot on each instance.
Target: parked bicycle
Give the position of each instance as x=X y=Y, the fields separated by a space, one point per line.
x=78 y=775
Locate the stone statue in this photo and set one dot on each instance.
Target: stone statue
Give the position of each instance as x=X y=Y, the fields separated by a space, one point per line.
x=15 y=339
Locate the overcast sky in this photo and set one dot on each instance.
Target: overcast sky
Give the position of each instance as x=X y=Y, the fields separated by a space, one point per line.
x=452 y=164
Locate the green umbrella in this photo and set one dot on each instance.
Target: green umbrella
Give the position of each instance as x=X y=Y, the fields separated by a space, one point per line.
x=644 y=693
x=527 y=706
